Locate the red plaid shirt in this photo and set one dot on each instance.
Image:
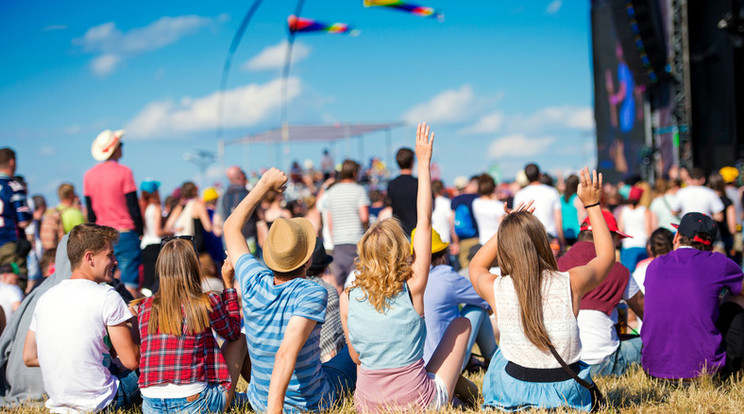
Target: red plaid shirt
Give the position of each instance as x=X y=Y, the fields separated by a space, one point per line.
x=188 y=358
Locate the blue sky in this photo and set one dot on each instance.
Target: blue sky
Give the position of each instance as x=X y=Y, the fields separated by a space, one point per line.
x=501 y=82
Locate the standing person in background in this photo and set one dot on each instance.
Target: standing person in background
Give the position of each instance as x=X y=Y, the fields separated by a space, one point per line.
x=348 y=216
x=727 y=226
x=68 y=207
x=547 y=202
x=661 y=205
x=150 y=244
x=570 y=210
x=190 y=217
x=698 y=198
x=464 y=228
x=213 y=238
x=111 y=196
x=442 y=209
x=235 y=192
x=402 y=191
x=15 y=215
x=636 y=221
x=487 y=209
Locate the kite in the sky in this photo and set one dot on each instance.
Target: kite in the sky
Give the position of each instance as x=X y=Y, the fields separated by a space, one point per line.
x=304 y=25
x=407 y=7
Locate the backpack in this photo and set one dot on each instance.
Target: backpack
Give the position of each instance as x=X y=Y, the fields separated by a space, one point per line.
x=464 y=225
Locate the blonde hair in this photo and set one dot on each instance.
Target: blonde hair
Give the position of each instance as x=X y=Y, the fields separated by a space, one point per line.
x=180 y=300
x=383 y=264
x=525 y=255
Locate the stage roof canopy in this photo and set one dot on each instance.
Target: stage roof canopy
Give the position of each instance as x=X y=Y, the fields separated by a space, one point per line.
x=313 y=133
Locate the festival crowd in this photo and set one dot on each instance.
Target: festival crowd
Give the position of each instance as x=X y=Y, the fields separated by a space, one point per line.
x=318 y=284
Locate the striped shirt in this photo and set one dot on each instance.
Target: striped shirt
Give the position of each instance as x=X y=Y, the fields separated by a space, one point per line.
x=343 y=201
x=267 y=309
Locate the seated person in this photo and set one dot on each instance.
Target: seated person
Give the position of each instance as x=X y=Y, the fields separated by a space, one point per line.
x=601 y=347
x=332 y=332
x=445 y=291
x=71 y=325
x=685 y=329
x=283 y=312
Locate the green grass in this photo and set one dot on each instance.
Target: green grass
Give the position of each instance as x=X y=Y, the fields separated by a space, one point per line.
x=634 y=392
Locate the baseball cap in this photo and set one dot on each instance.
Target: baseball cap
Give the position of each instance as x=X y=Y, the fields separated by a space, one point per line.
x=693 y=224
x=611 y=224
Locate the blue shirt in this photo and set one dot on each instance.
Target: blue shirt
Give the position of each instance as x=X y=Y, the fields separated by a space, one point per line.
x=267 y=309
x=445 y=290
x=13 y=208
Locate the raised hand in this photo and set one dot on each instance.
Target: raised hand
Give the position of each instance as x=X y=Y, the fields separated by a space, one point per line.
x=274 y=179
x=590 y=187
x=528 y=207
x=424 y=143
x=228 y=273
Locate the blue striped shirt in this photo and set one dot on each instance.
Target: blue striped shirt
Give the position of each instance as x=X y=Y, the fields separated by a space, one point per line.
x=267 y=309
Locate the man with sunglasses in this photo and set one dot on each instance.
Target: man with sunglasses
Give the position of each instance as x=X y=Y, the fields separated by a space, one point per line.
x=111 y=195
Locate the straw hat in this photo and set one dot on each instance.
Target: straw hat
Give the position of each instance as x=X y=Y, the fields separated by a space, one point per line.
x=105 y=144
x=289 y=245
x=437 y=245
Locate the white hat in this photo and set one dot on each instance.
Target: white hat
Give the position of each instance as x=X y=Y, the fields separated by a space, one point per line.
x=105 y=144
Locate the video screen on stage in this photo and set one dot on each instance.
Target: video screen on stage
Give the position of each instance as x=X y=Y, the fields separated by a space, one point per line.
x=618 y=100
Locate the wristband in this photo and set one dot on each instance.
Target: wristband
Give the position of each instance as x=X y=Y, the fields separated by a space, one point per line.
x=592 y=205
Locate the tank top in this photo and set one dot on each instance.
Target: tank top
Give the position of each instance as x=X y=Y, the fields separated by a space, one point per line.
x=559 y=320
x=185 y=223
x=392 y=339
x=150 y=237
x=634 y=224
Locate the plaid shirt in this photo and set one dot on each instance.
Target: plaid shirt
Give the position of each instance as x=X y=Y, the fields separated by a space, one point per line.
x=189 y=358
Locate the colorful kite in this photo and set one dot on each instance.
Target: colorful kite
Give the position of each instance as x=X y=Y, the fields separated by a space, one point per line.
x=303 y=25
x=407 y=7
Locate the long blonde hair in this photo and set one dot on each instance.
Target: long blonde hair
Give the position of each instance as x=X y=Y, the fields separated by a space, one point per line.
x=384 y=262
x=180 y=299
x=524 y=254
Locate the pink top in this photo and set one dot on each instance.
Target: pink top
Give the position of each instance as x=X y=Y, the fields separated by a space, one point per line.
x=379 y=390
x=106 y=184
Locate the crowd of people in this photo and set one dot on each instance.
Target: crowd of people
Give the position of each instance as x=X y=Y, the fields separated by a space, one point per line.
x=314 y=284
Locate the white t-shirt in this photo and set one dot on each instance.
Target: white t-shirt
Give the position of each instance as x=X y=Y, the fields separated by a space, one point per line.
x=70 y=322
x=488 y=214
x=9 y=295
x=150 y=237
x=697 y=198
x=547 y=201
x=343 y=202
x=597 y=330
x=440 y=217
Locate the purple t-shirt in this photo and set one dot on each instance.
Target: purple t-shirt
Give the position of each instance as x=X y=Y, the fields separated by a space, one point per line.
x=679 y=334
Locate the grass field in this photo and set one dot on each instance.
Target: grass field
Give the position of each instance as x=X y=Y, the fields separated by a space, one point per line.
x=632 y=393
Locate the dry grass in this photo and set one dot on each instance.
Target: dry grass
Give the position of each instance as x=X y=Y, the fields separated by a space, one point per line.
x=632 y=393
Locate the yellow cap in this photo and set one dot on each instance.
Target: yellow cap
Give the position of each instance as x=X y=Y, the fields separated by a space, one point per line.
x=437 y=245
x=209 y=194
x=729 y=174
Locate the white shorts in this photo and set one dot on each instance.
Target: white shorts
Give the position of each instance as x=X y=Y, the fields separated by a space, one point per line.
x=441 y=398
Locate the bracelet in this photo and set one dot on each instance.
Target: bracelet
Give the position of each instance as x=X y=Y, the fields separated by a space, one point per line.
x=592 y=205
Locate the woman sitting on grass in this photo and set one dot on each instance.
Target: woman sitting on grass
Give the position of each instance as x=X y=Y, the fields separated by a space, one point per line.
x=536 y=307
x=181 y=368
x=382 y=313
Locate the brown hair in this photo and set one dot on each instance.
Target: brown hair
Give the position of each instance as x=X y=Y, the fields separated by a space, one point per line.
x=660 y=242
x=486 y=184
x=88 y=237
x=404 y=158
x=179 y=306
x=348 y=169
x=437 y=187
x=384 y=262
x=525 y=255
x=65 y=191
x=6 y=154
x=687 y=241
x=188 y=190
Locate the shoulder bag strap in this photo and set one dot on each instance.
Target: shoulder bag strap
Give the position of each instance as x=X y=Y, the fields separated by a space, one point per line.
x=569 y=371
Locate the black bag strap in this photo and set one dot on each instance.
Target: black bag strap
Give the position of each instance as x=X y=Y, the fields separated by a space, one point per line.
x=569 y=371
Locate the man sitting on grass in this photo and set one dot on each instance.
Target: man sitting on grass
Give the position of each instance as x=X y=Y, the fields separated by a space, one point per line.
x=687 y=331
x=283 y=312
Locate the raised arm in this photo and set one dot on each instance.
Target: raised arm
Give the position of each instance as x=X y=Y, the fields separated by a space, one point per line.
x=587 y=277
x=422 y=242
x=273 y=179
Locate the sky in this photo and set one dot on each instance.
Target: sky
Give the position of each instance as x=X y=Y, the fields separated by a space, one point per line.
x=502 y=83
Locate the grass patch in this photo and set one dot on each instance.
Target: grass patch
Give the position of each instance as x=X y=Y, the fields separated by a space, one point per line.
x=634 y=392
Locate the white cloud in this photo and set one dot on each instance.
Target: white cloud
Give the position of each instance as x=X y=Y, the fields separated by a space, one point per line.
x=487 y=124
x=519 y=145
x=554 y=7
x=53 y=27
x=272 y=57
x=450 y=106
x=243 y=106
x=113 y=45
x=554 y=117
